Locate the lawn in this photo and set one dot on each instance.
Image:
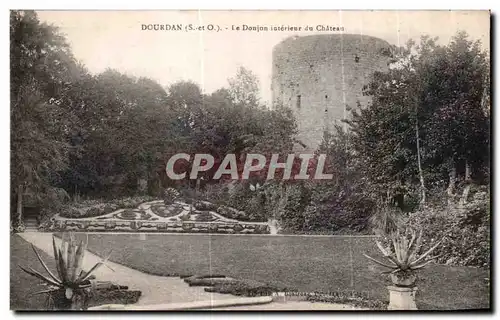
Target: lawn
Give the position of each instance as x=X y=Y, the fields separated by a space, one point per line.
x=22 y=284
x=306 y=264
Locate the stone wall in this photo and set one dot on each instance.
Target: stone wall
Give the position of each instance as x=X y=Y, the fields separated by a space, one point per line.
x=321 y=76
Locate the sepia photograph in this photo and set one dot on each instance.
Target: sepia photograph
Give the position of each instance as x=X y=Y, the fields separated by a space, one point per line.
x=208 y=160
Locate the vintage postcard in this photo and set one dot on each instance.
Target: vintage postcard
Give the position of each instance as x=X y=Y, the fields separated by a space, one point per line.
x=250 y=160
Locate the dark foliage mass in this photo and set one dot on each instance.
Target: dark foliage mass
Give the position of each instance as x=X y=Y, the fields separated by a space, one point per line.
x=76 y=135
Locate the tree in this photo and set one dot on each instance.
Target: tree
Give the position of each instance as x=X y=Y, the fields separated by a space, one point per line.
x=427 y=119
x=244 y=87
x=42 y=69
x=125 y=125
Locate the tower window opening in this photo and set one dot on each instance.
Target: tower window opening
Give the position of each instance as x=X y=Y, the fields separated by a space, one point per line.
x=356 y=58
x=298 y=101
x=326 y=96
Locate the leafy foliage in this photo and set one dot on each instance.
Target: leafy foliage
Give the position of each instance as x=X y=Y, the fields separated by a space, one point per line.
x=465 y=231
x=438 y=90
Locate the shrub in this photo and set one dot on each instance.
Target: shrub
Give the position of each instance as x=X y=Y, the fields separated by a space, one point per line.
x=205 y=216
x=240 y=196
x=165 y=212
x=94 y=208
x=205 y=206
x=255 y=208
x=352 y=298
x=231 y=213
x=387 y=219
x=216 y=193
x=19 y=227
x=71 y=212
x=109 y=208
x=94 y=211
x=170 y=195
x=336 y=208
x=128 y=203
x=466 y=232
x=291 y=207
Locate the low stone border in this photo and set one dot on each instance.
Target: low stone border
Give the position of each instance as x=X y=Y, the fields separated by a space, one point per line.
x=188 y=305
x=78 y=225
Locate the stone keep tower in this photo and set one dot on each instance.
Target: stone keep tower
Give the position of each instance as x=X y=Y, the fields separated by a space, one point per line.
x=320 y=77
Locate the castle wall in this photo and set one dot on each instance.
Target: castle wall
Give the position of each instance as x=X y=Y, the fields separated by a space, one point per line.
x=321 y=76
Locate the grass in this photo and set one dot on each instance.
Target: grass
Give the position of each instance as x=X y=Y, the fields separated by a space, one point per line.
x=306 y=264
x=22 y=284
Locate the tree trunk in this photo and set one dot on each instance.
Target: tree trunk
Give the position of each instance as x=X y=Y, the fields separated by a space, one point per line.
x=142 y=180
x=19 y=211
x=142 y=185
x=453 y=180
x=465 y=194
x=421 y=174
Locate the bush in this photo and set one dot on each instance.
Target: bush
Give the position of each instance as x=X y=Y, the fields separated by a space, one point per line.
x=94 y=208
x=216 y=193
x=205 y=206
x=240 y=196
x=465 y=232
x=93 y=212
x=71 y=212
x=291 y=207
x=255 y=208
x=109 y=208
x=170 y=195
x=387 y=219
x=333 y=209
x=130 y=203
x=252 y=203
x=231 y=213
x=204 y=217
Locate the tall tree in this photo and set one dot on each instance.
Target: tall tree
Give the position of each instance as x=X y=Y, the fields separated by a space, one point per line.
x=426 y=121
x=244 y=87
x=42 y=71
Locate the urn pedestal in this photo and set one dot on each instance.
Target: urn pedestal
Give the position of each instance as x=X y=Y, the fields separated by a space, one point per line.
x=273 y=226
x=402 y=298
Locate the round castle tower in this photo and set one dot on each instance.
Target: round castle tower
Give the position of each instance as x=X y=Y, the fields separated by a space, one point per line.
x=320 y=77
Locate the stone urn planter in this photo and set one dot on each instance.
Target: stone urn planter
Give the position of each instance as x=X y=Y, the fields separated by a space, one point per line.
x=403 y=258
x=402 y=298
x=404 y=279
x=402 y=292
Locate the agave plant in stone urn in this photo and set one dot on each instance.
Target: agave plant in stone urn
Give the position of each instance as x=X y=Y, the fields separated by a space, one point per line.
x=403 y=261
x=71 y=287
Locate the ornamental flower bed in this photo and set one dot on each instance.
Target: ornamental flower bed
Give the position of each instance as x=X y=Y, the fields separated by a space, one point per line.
x=155 y=216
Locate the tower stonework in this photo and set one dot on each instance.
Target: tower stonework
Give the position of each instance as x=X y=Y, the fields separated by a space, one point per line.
x=320 y=77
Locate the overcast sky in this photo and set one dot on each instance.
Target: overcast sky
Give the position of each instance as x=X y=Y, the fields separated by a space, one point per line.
x=114 y=39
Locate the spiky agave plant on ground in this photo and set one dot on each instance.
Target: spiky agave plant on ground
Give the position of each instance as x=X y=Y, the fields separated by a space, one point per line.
x=71 y=287
x=404 y=257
